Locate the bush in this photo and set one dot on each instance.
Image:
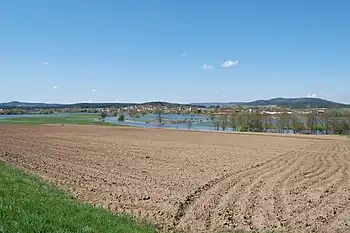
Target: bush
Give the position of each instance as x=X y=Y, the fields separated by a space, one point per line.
x=121 y=117
x=103 y=115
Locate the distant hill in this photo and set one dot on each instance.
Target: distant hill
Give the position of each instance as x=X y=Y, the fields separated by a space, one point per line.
x=280 y=102
x=221 y=104
x=160 y=103
x=283 y=102
x=17 y=104
x=299 y=103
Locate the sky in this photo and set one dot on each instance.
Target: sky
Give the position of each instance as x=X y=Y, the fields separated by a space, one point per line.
x=182 y=51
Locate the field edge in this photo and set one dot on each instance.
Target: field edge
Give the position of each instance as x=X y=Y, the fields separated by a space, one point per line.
x=55 y=209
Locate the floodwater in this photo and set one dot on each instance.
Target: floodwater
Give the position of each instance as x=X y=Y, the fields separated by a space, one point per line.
x=198 y=122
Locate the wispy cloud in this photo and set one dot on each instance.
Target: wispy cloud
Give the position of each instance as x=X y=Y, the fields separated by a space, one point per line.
x=183 y=55
x=229 y=63
x=46 y=63
x=217 y=93
x=55 y=87
x=207 y=67
x=94 y=90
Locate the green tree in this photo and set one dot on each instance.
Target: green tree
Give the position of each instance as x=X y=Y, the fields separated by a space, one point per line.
x=340 y=126
x=46 y=111
x=347 y=116
x=241 y=121
x=103 y=115
x=256 y=123
x=121 y=117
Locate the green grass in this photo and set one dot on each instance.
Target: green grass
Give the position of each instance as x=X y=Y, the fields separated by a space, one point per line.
x=29 y=205
x=79 y=119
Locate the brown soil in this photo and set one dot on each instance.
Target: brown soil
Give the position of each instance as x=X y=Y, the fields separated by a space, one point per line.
x=193 y=181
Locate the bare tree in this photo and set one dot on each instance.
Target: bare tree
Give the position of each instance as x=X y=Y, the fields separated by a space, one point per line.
x=159 y=115
x=281 y=124
x=324 y=120
x=189 y=124
x=266 y=122
x=223 y=122
x=212 y=117
x=232 y=120
x=296 y=123
x=311 y=121
x=216 y=124
x=284 y=121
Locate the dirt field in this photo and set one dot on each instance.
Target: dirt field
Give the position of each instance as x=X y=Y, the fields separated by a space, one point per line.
x=193 y=181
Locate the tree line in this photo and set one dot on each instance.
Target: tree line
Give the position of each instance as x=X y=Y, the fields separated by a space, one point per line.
x=328 y=122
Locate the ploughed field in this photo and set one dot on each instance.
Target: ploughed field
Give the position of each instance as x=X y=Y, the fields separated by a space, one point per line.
x=193 y=181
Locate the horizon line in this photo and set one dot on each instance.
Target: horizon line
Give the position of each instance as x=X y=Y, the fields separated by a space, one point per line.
x=164 y=101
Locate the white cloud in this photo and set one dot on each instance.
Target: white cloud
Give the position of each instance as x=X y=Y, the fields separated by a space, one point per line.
x=55 y=87
x=217 y=93
x=312 y=95
x=207 y=67
x=229 y=63
x=183 y=55
x=46 y=63
x=93 y=90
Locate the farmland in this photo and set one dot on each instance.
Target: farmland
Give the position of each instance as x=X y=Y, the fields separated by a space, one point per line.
x=193 y=181
x=77 y=119
x=30 y=205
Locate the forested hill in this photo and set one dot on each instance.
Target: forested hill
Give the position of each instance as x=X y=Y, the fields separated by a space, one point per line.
x=299 y=103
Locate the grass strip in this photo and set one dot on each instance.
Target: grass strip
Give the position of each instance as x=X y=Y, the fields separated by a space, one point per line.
x=28 y=204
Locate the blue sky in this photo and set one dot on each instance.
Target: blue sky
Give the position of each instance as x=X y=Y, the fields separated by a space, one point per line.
x=178 y=50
